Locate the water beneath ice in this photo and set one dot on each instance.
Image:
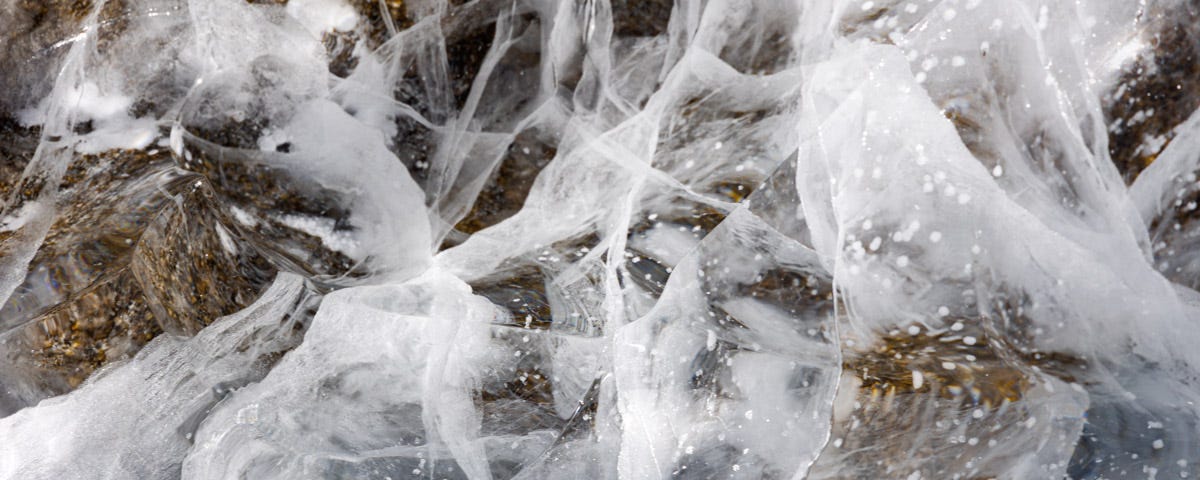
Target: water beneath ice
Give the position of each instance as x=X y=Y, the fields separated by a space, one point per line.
x=561 y=239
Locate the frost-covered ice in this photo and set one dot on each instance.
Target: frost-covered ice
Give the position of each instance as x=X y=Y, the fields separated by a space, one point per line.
x=558 y=239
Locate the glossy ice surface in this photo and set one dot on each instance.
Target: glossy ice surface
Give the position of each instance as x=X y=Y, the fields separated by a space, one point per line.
x=612 y=239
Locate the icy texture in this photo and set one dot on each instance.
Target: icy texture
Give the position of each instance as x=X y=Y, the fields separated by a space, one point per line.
x=615 y=239
x=153 y=404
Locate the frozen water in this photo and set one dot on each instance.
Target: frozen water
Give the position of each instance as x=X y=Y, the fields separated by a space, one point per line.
x=153 y=404
x=557 y=239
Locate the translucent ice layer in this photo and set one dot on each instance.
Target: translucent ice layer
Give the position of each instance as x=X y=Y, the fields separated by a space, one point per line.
x=617 y=239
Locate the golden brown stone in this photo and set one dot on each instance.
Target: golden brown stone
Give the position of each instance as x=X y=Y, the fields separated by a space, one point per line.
x=242 y=181
x=506 y=189
x=58 y=350
x=106 y=202
x=193 y=269
x=1155 y=93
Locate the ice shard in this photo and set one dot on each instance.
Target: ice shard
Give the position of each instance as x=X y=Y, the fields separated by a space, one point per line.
x=612 y=239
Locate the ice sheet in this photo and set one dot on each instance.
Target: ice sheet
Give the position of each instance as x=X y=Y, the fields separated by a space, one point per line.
x=604 y=239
